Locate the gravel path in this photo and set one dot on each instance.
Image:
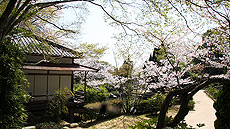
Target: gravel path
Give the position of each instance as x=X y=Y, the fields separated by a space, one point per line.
x=203 y=112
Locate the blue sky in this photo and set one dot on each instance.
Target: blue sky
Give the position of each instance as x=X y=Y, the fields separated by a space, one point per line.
x=95 y=30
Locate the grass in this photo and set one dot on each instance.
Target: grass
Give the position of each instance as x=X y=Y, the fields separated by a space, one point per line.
x=123 y=121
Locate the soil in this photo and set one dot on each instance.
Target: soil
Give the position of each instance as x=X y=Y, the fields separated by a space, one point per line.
x=122 y=122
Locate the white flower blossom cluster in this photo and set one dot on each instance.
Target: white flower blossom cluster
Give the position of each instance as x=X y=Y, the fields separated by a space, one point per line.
x=213 y=52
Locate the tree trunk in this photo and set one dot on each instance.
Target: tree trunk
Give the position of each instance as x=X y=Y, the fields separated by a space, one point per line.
x=183 y=111
x=164 y=109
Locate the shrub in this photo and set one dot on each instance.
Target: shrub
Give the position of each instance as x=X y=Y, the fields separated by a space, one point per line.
x=214 y=89
x=12 y=85
x=94 y=110
x=94 y=95
x=191 y=104
x=116 y=102
x=150 y=105
x=151 y=124
x=222 y=107
x=57 y=105
x=48 y=125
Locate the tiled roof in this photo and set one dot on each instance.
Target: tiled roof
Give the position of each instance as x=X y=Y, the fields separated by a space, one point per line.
x=36 y=46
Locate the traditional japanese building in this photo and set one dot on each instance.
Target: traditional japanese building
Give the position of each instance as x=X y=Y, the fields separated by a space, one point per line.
x=49 y=66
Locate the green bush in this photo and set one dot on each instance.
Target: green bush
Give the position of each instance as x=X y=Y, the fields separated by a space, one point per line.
x=12 y=85
x=48 y=125
x=151 y=124
x=214 y=89
x=57 y=105
x=151 y=105
x=222 y=107
x=94 y=95
x=93 y=110
x=191 y=104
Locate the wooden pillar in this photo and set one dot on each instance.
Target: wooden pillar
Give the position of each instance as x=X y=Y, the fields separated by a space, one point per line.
x=85 y=85
x=47 y=86
x=72 y=81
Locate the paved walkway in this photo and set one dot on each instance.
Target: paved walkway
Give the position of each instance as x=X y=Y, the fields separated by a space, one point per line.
x=203 y=112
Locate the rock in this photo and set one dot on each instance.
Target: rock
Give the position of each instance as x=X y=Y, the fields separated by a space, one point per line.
x=65 y=127
x=73 y=125
x=29 y=127
x=64 y=123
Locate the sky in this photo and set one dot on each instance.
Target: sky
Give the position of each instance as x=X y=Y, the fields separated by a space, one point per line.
x=96 y=30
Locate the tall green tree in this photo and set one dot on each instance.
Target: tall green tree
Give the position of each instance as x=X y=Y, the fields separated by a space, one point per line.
x=19 y=18
x=12 y=85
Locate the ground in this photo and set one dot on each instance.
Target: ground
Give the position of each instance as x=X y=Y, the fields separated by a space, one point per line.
x=203 y=111
x=121 y=122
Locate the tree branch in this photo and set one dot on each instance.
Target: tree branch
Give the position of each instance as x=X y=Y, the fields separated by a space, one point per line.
x=5 y=15
x=15 y=15
x=48 y=4
x=219 y=13
x=60 y=28
x=123 y=24
x=186 y=22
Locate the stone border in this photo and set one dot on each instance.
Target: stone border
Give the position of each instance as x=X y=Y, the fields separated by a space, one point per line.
x=210 y=96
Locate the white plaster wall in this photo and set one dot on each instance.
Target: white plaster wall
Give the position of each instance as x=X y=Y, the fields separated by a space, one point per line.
x=53 y=84
x=66 y=82
x=40 y=86
x=30 y=79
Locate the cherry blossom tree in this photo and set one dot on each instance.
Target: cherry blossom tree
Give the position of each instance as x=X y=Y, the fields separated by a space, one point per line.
x=185 y=70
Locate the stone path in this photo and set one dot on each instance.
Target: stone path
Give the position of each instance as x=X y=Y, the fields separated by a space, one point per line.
x=203 y=112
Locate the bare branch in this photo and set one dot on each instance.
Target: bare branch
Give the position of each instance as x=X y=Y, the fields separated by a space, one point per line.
x=19 y=19
x=219 y=13
x=196 y=4
x=123 y=24
x=5 y=16
x=48 y=4
x=186 y=22
x=15 y=15
x=60 y=28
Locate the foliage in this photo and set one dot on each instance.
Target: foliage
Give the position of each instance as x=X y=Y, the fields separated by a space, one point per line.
x=91 y=50
x=92 y=111
x=48 y=125
x=94 y=95
x=39 y=18
x=214 y=89
x=125 y=70
x=57 y=105
x=191 y=104
x=222 y=107
x=150 y=105
x=115 y=102
x=151 y=124
x=12 y=85
x=174 y=71
x=98 y=110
